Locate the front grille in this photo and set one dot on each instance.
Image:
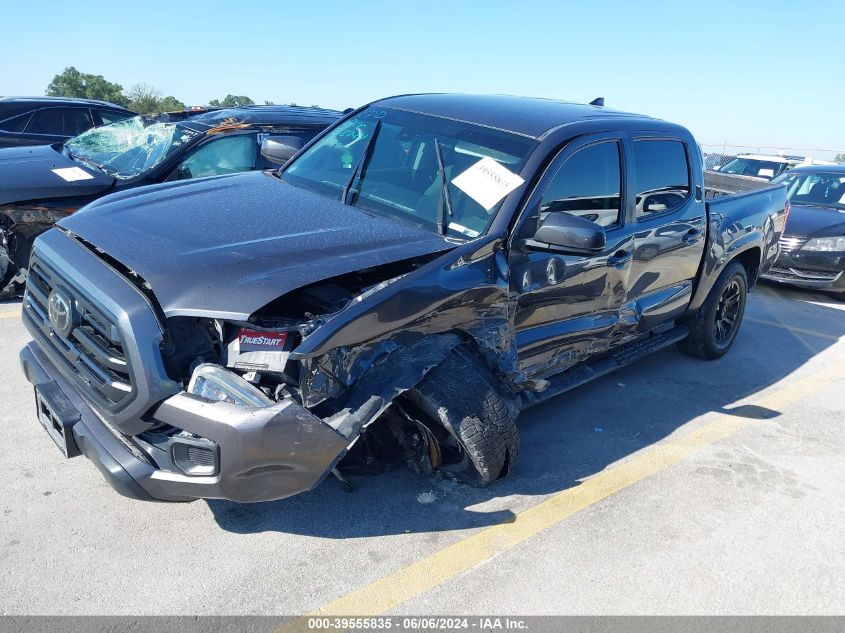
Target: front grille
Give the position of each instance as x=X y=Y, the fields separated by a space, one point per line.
x=805 y=275
x=789 y=244
x=92 y=352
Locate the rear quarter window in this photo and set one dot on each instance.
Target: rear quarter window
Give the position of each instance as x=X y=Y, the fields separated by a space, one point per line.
x=15 y=124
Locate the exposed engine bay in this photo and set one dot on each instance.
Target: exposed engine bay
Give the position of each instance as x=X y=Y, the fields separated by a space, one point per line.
x=250 y=364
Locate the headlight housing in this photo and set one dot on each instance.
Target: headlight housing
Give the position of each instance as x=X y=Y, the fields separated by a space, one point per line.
x=825 y=244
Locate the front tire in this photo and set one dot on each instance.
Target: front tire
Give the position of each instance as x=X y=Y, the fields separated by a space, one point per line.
x=473 y=425
x=714 y=326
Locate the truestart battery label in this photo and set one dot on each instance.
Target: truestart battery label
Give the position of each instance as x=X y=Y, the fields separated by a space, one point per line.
x=252 y=350
x=254 y=341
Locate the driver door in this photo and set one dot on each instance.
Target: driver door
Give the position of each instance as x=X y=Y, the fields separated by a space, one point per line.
x=570 y=305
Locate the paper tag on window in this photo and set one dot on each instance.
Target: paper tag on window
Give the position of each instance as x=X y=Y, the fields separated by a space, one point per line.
x=72 y=173
x=487 y=182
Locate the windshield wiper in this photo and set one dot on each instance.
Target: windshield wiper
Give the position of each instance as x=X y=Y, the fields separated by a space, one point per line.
x=85 y=161
x=361 y=165
x=444 y=205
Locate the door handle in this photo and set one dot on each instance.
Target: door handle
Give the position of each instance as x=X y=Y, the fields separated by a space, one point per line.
x=692 y=236
x=619 y=259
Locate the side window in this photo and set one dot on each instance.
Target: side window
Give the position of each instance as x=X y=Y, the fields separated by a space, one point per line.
x=227 y=155
x=47 y=121
x=109 y=116
x=60 y=121
x=662 y=176
x=77 y=121
x=15 y=124
x=588 y=185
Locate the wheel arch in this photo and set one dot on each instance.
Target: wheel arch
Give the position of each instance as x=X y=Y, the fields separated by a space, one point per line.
x=746 y=250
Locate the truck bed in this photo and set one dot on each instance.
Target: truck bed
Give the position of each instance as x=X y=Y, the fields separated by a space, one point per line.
x=718 y=184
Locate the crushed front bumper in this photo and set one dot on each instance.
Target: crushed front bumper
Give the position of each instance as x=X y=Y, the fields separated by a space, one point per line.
x=264 y=453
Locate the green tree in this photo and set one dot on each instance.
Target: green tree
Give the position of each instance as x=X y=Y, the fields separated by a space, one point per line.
x=169 y=104
x=839 y=158
x=72 y=83
x=144 y=99
x=232 y=101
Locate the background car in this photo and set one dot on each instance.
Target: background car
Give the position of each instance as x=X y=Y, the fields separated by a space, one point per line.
x=45 y=120
x=757 y=166
x=41 y=185
x=812 y=247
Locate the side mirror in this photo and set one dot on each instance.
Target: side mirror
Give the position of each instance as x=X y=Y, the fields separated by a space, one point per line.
x=280 y=149
x=571 y=233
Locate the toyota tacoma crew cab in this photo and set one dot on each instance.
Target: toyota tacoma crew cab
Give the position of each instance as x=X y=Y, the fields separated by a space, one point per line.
x=419 y=273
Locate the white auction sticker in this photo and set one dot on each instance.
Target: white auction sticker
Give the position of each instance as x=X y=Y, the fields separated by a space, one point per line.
x=487 y=182
x=72 y=173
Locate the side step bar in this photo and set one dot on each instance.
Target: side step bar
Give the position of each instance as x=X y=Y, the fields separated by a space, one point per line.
x=624 y=355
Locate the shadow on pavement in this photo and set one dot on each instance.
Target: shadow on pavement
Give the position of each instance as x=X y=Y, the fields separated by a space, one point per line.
x=564 y=440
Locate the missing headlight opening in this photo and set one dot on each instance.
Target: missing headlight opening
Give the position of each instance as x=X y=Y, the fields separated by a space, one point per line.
x=250 y=364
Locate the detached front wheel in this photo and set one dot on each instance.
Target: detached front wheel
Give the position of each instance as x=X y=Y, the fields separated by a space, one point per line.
x=714 y=327
x=472 y=426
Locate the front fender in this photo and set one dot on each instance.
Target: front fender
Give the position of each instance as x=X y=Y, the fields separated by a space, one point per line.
x=464 y=291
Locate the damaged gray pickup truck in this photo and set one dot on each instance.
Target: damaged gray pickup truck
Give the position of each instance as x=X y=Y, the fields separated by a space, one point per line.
x=417 y=275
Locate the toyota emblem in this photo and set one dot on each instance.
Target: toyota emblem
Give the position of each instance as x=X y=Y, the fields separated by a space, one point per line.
x=60 y=310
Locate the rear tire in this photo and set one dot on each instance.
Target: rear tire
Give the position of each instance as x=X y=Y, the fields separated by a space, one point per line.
x=714 y=326
x=475 y=427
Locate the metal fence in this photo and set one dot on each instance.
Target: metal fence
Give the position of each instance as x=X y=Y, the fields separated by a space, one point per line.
x=717 y=155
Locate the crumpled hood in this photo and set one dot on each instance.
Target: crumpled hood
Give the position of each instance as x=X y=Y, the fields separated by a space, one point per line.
x=809 y=221
x=26 y=174
x=226 y=246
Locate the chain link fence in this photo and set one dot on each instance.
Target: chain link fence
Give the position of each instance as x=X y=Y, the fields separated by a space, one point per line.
x=717 y=155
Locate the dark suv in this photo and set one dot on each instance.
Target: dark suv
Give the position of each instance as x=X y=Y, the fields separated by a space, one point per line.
x=45 y=120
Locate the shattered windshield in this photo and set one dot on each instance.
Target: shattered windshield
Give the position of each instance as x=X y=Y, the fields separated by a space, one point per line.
x=441 y=175
x=130 y=147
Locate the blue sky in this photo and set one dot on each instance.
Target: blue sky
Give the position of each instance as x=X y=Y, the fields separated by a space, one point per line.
x=745 y=72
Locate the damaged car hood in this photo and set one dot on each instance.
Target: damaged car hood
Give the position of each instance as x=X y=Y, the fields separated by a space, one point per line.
x=809 y=221
x=226 y=246
x=26 y=174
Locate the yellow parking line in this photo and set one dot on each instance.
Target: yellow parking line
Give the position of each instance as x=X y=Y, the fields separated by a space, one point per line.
x=9 y=315
x=392 y=590
x=792 y=328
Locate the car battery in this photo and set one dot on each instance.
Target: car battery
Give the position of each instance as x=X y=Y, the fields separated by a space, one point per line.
x=259 y=351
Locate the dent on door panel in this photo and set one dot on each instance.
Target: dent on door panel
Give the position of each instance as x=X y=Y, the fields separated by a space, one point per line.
x=568 y=307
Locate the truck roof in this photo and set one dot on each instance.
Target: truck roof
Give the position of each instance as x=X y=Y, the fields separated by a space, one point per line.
x=527 y=116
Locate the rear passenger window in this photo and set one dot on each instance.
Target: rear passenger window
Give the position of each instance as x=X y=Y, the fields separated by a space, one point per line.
x=588 y=185
x=662 y=176
x=60 y=121
x=49 y=121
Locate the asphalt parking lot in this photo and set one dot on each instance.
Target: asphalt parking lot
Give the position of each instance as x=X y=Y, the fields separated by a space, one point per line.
x=672 y=487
